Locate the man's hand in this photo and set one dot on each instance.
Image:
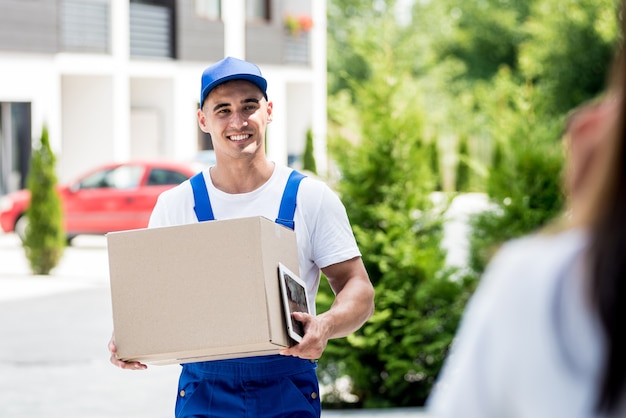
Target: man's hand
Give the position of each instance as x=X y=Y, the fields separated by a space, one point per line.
x=129 y=365
x=353 y=305
x=314 y=341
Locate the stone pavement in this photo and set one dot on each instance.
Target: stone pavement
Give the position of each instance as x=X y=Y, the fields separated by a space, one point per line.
x=53 y=344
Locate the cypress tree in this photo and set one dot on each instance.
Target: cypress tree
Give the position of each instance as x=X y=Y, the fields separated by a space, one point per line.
x=45 y=239
x=434 y=163
x=462 y=182
x=308 y=159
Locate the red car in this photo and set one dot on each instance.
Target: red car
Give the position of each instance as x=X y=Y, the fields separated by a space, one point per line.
x=113 y=197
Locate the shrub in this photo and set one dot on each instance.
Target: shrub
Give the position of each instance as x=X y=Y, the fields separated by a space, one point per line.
x=462 y=180
x=308 y=159
x=45 y=239
x=527 y=193
x=386 y=185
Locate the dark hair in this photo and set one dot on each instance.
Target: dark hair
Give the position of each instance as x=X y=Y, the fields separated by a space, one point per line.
x=608 y=252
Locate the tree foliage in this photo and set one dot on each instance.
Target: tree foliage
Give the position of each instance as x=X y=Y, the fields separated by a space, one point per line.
x=503 y=72
x=386 y=183
x=563 y=61
x=45 y=239
x=308 y=158
x=525 y=189
x=481 y=34
x=561 y=53
x=462 y=178
x=567 y=50
x=433 y=155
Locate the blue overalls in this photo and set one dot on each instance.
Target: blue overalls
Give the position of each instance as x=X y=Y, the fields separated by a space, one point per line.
x=272 y=386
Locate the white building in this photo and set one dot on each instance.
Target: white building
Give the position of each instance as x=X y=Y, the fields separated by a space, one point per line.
x=115 y=79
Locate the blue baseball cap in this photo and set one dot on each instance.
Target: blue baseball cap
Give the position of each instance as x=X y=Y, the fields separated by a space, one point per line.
x=231 y=69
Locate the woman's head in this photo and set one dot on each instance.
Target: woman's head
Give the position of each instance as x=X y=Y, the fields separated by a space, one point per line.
x=595 y=175
x=589 y=140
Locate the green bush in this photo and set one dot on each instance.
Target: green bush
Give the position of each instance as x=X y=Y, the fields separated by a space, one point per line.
x=386 y=185
x=462 y=179
x=527 y=193
x=503 y=72
x=45 y=239
x=308 y=158
x=524 y=179
x=433 y=150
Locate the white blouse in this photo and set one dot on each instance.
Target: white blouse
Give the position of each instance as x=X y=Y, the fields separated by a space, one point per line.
x=529 y=344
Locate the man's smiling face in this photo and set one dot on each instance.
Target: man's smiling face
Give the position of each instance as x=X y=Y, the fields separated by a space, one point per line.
x=236 y=115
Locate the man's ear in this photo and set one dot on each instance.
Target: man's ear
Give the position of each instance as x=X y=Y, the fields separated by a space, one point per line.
x=202 y=121
x=270 y=107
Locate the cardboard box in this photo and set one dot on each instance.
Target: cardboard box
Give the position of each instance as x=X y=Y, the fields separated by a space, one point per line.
x=199 y=292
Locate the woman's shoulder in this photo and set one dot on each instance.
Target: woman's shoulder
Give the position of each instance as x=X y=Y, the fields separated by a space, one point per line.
x=544 y=246
x=533 y=261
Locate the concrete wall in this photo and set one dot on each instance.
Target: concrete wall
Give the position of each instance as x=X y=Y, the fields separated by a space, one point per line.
x=87 y=135
x=29 y=26
x=199 y=39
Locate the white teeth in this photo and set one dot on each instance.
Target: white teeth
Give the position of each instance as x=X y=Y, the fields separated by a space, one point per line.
x=239 y=137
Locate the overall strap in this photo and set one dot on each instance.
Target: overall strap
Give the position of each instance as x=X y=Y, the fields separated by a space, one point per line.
x=288 y=202
x=203 y=209
x=286 y=212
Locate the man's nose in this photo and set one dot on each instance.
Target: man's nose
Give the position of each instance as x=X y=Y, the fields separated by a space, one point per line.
x=239 y=120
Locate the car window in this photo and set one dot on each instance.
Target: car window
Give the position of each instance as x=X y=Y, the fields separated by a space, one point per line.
x=94 y=181
x=123 y=177
x=161 y=176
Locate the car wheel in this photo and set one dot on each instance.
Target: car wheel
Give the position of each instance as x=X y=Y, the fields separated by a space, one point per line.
x=20 y=226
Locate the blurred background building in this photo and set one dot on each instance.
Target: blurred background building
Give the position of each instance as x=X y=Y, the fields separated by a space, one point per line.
x=115 y=80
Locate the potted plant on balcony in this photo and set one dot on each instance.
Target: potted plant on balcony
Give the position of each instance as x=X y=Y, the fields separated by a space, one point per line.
x=297 y=25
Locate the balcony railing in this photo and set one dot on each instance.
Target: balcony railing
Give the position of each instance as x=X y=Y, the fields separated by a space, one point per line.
x=297 y=48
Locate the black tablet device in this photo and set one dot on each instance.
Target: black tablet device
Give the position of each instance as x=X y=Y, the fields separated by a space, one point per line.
x=294 y=299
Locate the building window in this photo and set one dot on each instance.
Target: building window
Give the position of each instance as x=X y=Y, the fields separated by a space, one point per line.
x=85 y=26
x=208 y=9
x=15 y=145
x=258 y=10
x=152 y=28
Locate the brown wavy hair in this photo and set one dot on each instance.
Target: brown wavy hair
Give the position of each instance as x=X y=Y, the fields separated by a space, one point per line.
x=606 y=215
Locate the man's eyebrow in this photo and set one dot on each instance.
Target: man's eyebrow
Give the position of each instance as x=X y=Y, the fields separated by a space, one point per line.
x=249 y=100
x=220 y=105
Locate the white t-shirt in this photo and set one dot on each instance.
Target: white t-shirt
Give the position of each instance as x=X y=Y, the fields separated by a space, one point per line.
x=529 y=344
x=323 y=232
